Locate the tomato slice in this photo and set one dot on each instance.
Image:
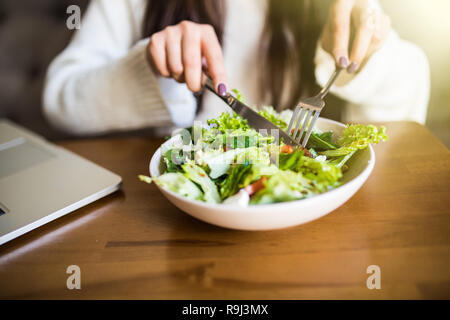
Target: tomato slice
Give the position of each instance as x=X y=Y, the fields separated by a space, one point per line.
x=253 y=188
x=287 y=149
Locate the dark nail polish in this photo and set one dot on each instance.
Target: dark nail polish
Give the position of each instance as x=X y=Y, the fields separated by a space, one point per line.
x=352 y=67
x=343 y=62
x=222 y=89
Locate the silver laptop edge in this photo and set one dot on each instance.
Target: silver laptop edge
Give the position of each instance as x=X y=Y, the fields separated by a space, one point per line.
x=40 y=182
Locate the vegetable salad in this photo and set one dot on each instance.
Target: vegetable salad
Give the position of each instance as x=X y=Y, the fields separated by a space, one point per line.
x=231 y=163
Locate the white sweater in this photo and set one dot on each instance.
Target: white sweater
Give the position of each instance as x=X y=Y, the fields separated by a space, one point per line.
x=102 y=82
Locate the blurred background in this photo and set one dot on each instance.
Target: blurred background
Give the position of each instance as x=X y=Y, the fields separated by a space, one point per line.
x=33 y=32
x=427 y=24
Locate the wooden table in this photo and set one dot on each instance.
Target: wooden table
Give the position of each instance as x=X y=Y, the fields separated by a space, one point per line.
x=135 y=244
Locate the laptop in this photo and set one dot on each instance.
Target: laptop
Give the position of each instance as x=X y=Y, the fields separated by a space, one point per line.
x=40 y=182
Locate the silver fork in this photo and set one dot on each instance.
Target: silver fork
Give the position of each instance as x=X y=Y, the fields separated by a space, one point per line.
x=308 y=109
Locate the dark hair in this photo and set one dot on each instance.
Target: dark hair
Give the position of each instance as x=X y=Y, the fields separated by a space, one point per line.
x=288 y=44
x=162 y=13
x=288 y=41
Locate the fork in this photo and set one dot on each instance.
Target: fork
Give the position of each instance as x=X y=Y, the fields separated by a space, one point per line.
x=309 y=109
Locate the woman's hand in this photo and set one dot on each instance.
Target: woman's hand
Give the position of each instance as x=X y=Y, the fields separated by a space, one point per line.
x=184 y=50
x=369 y=25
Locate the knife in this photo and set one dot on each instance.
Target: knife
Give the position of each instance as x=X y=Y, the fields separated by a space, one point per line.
x=254 y=119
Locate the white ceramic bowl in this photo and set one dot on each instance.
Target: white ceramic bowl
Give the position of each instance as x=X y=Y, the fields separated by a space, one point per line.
x=278 y=215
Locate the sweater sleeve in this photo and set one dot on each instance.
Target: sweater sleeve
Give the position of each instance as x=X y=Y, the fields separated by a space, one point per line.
x=101 y=81
x=394 y=83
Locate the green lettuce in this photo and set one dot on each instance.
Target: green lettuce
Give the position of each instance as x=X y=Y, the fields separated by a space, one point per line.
x=270 y=114
x=356 y=137
x=290 y=161
x=256 y=172
x=321 y=141
x=173 y=158
x=280 y=119
x=238 y=95
x=323 y=175
x=230 y=185
x=282 y=186
x=340 y=161
x=227 y=121
x=219 y=162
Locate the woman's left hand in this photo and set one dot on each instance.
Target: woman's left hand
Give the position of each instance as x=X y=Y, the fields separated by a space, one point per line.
x=369 y=24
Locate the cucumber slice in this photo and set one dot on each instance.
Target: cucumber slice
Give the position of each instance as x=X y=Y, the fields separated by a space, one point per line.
x=199 y=176
x=178 y=183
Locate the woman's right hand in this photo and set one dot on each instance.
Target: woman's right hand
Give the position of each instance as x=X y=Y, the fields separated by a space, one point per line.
x=181 y=52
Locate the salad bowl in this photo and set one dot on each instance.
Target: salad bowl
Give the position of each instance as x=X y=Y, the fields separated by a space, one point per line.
x=277 y=215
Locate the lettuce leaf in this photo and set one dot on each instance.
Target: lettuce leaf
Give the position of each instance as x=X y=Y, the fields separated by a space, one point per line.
x=280 y=187
x=219 y=162
x=270 y=114
x=326 y=136
x=321 y=141
x=173 y=160
x=230 y=185
x=227 y=121
x=245 y=139
x=356 y=137
x=238 y=95
x=323 y=175
x=340 y=161
x=299 y=177
x=280 y=119
x=290 y=161
x=256 y=172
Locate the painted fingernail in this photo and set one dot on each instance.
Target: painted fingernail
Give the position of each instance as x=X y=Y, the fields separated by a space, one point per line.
x=343 y=62
x=352 y=67
x=222 y=89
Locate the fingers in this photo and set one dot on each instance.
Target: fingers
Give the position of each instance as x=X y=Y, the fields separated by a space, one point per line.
x=371 y=29
x=212 y=52
x=191 y=57
x=360 y=47
x=340 y=31
x=157 y=54
x=382 y=28
x=184 y=50
x=173 y=52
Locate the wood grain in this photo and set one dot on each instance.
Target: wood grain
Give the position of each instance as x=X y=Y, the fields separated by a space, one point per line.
x=135 y=244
